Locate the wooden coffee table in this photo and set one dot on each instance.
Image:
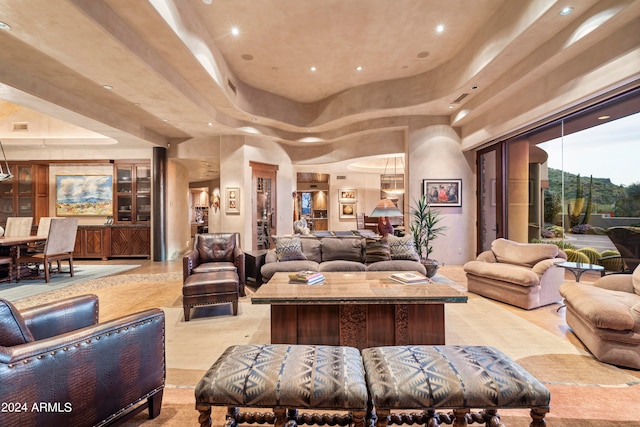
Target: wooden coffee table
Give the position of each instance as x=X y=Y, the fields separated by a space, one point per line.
x=359 y=309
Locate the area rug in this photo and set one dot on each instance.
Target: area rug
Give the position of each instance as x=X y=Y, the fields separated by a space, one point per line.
x=28 y=288
x=584 y=392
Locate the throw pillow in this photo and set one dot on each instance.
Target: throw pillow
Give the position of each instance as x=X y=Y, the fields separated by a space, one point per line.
x=13 y=330
x=377 y=250
x=289 y=248
x=402 y=248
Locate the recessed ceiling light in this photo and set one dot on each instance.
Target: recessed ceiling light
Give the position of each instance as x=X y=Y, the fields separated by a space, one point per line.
x=359 y=68
x=165 y=120
x=422 y=54
x=313 y=68
x=274 y=68
x=255 y=119
x=235 y=31
x=604 y=117
x=566 y=11
x=209 y=124
x=4 y=26
x=451 y=107
x=440 y=28
x=247 y=57
x=474 y=87
x=206 y=1
x=107 y=87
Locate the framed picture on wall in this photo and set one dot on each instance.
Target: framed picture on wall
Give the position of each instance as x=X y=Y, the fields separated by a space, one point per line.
x=233 y=200
x=348 y=194
x=84 y=195
x=443 y=192
x=347 y=210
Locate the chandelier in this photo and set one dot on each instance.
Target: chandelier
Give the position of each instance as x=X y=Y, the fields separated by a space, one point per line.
x=5 y=176
x=395 y=190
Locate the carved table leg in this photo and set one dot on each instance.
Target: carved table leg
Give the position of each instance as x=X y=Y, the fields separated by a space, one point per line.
x=433 y=419
x=205 y=415
x=460 y=417
x=492 y=418
x=383 y=417
x=281 y=417
x=537 y=416
x=232 y=416
x=358 y=418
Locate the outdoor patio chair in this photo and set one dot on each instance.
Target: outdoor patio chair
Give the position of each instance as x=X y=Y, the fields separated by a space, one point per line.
x=627 y=242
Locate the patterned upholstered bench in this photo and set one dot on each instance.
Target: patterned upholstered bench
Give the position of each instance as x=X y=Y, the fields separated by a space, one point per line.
x=285 y=378
x=459 y=378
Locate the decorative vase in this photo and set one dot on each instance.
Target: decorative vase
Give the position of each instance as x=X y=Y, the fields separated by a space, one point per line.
x=431 y=265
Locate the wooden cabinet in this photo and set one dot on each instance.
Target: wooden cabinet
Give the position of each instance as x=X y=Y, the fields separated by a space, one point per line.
x=93 y=242
x=132 y=192
x=130 y=241
x=27 y=194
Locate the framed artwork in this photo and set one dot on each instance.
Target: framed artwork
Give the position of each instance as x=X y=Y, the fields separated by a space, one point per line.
x=347 y=210
x=233 y=200
x=348 y=194
x=84 y=195
x=443 y=192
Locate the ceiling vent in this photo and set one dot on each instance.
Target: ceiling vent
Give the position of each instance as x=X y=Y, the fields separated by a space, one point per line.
x=20 y=126
x=232 y=86
x=460 y=98
x=341 y=177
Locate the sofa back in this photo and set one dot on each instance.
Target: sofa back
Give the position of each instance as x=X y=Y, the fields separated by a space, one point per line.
x=525 y=254
x=329 y=249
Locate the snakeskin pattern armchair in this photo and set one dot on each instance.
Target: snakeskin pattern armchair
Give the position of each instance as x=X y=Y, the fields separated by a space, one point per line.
x=59 y=366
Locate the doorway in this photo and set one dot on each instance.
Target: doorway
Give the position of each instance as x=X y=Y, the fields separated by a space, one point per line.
x=264 y=212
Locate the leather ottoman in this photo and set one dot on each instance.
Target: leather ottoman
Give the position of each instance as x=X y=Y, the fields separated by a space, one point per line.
x=210 y=288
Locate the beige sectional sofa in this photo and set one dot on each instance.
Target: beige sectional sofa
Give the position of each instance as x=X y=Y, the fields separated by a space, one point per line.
x=343 y=254
x=520 y=274
x=605 y=316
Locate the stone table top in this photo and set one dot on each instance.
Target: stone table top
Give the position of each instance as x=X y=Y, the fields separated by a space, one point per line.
x=357 y=288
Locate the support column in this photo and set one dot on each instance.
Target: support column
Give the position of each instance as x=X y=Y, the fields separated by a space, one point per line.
x=158 y=223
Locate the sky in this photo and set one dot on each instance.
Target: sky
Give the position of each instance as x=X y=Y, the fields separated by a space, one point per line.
x=611 y=150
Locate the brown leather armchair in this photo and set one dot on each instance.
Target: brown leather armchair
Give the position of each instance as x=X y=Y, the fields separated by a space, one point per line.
x=213 y=252
x=59 y=366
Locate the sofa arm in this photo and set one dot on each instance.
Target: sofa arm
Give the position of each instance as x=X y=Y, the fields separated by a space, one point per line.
x=541 y=267
x=616 y=282
x=94 y=373
x=190 y=261
x=486 y=256
x=66 y=315
x=238 y=261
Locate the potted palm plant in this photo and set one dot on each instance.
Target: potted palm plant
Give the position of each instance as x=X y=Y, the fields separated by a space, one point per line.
x=424 y=228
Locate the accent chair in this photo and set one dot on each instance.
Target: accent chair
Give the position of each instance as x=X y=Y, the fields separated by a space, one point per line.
x=87 y=373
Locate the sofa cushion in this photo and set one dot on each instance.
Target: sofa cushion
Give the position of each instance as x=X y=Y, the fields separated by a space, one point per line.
x=312 y=248
x=525 y=254
x=635 y=280
x=397 y=265
x=515 y=274
x=214 y=267
x=603 y=308
x=341 y=265
x=215 y=246
x=343 y=249
x=288 y=248
x=402 y=248
x=271 y=268
x=377 y=250
x=13 y=329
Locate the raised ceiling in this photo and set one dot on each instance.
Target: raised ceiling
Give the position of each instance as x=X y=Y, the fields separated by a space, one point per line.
x=178 y=73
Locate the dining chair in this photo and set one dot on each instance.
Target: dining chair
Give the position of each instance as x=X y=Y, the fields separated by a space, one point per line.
x=61 y=240
x=43 y=231
x=18 y=226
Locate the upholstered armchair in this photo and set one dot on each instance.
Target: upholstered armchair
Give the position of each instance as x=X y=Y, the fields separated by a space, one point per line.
x=213 y=252
x=59 y=366
x=520 y=274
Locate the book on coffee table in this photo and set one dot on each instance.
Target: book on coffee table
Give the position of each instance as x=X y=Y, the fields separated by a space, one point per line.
x=308 y=277
x=409 y=278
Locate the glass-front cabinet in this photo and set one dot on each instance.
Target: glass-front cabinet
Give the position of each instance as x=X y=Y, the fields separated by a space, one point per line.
x=26 y=194
x=133 y=193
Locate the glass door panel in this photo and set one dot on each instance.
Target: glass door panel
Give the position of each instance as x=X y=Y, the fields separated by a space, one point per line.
x=489 y=198
x=124 y=190
x=143 y=193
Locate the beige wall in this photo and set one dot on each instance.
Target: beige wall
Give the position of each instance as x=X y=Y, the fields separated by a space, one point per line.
x=178 y=229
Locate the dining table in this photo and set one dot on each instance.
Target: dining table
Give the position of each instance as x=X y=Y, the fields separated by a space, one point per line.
x=15 y=247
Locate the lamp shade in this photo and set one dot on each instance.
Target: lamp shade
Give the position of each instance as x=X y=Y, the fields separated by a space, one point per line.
x=385 y=207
